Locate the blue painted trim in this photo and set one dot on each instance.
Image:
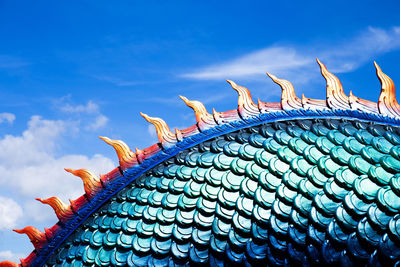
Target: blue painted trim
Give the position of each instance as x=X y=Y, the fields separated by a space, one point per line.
x=131 y=174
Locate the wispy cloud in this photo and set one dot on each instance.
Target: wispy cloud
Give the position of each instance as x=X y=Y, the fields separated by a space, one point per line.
x=116 y=81
x=99 y=121
x=351 y=54
x=214 y=98
x=173 y=100
x=255 y=63
x=94 y=119
x=7 y=117
x=288 y=60
x=89 y=108
x=9 y=62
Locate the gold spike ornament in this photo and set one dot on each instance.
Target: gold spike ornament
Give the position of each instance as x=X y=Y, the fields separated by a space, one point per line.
x=164 y=134
x=126 y=157
x=62 y=210
x=335 y=96
x=246 y=106
x=90 y=181
x=204 y=119
x=387 y=103
x=37 y=238
x=289 y=100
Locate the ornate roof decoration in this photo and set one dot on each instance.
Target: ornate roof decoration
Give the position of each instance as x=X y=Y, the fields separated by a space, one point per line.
x=134 y=163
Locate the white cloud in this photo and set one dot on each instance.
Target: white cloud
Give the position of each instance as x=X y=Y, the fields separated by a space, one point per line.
x=88 y=114
x=10 y=213
x=297 y=62
x=98 y=122
x=116 y=81
x=37 y=142
x=255 y=63
x=8 y=255
x=352 y=53
x=29 y=166
x=7 y=117
x=90 y=108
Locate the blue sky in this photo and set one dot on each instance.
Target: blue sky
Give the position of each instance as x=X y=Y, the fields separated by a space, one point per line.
x=71 y=72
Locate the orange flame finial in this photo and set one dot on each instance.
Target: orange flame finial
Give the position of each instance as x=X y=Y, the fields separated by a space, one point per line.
x=126 y=157
x=90 y=181
x=246 y=105
x=387 y=103
x=62 y=210
x=335 y=96
x=164 y=134
x=204 y=119
x=289 y=100
x=35 y=236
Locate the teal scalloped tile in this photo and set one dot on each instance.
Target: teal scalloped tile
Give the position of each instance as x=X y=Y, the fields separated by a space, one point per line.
x=163 y=231
x=182 y=233
x=89 y=255
x=125 y=240
x=166 y=216
x=242 y=224
x=238 y=166
x=232 y=149
x=184 y=173
x=206 y=159
x=244 y=206
x=103 y=257
x=160 y=247
x=367 y=233
x=141 y=244
x=285 y=193
x=248 y=187
x=381 y=144
x=119 y=258
x=222 y=162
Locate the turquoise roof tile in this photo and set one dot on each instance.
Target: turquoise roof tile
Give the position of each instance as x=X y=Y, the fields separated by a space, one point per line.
x=287 y=193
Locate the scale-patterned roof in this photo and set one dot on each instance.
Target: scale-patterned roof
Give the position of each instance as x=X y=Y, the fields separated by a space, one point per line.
x=301 y=182
x=285 y=192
